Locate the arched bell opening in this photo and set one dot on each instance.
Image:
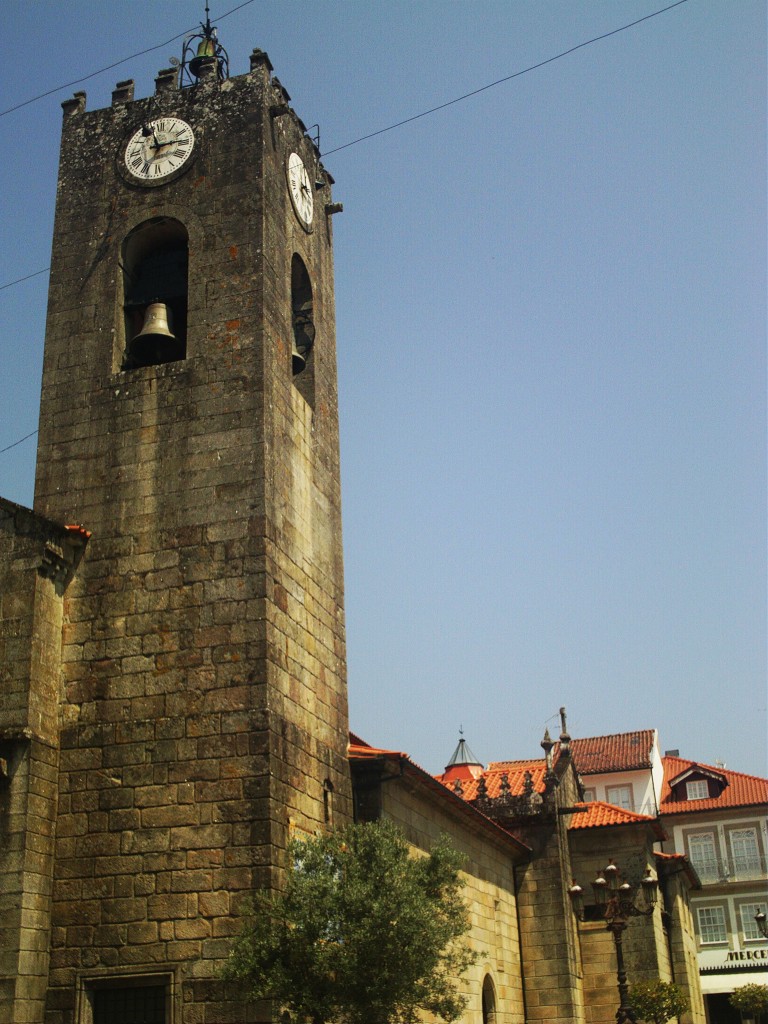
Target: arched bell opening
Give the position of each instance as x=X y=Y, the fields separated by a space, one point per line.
x=303 y=327
x=489 y=1000
x=155 y=262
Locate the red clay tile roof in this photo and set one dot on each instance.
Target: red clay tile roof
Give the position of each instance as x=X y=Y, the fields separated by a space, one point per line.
x=81 y=531
x=598 y=814
x=741 y=790
x=595 y=755
x=511 y=766
x=515 y=772
x=677 y=860
x=625 y=751
x=359 y=750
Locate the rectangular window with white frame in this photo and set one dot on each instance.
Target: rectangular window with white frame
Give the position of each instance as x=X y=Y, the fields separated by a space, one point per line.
x=712 y=926
x=620 y=796
x=749 y=930
x=703 y=854
x=745 y=853
x=698 y=789
x=590 y=796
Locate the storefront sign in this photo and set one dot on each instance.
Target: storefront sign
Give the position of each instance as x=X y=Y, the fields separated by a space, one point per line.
x=725 y=959
x=747 y=954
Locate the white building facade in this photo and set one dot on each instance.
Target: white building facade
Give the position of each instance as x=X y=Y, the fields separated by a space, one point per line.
x=717 y=818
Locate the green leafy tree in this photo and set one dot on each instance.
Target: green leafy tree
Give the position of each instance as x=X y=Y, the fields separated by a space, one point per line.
x=657 y=1001
x=751 y=1000
x=363 y=933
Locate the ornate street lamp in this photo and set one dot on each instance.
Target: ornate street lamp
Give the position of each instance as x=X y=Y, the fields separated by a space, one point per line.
x=619 y=900
x=761 y=925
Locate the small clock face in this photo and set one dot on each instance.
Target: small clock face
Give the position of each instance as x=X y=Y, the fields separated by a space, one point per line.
x=159 y=149
x=300 y=189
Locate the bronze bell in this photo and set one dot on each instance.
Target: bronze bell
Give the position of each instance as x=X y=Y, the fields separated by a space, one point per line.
x=303 y=336
x=206 y=54
x=155 y=342
x=298 y=361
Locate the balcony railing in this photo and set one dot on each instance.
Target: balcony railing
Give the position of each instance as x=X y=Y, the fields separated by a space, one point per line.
x=743 y=870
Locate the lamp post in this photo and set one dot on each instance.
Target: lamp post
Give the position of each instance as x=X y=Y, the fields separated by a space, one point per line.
x=618 y=901
x=762 y=927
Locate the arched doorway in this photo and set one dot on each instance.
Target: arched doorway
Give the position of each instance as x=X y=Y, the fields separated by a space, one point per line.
x=489 y=1000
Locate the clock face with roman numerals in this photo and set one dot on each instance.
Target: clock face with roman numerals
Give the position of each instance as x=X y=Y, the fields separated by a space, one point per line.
x=159 y=149
x=300 y=190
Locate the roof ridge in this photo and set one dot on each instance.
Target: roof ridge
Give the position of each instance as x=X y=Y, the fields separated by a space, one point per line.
x=612 y=735
x=495 y=766
x=615 y=807
x=600 y=814
x=713 y=767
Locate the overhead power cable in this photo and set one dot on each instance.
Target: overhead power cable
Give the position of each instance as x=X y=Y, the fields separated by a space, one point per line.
x=380 y=131
x=363 y=138
x=507 y=78
x=117 y=63
x=19 y=280
x=14 y=443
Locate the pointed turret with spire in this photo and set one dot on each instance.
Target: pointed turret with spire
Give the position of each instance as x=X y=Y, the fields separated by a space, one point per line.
x=463 y=763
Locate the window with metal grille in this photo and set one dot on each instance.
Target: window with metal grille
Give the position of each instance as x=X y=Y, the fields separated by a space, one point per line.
x=136 y=1004
x=712 y=925
x=701 y=850
x=746 y=856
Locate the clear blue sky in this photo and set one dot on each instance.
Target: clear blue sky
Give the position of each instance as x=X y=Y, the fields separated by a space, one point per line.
x=551 y=331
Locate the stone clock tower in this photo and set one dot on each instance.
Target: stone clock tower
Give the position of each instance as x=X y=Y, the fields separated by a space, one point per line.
x=192 y=712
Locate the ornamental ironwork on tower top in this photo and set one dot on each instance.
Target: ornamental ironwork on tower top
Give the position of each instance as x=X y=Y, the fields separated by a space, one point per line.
x=203 y=55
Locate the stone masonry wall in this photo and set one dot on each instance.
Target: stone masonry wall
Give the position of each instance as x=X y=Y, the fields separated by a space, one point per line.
x=553 y=970
x=203 y=662
x=489 y=876
x=646 y=952
x=552 y=974
x=36 y=559
x=685 y=966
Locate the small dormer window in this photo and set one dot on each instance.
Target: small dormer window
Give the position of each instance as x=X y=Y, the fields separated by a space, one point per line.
x=698 y=789
x=698 y=782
